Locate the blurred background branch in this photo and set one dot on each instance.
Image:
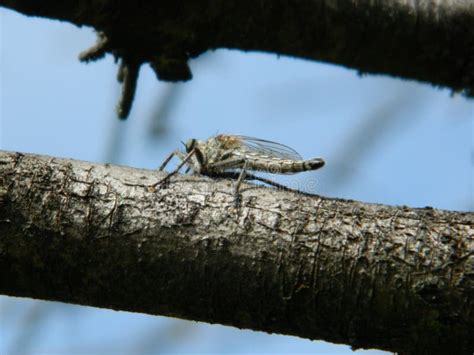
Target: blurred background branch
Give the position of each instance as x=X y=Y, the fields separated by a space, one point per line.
x=427 y=41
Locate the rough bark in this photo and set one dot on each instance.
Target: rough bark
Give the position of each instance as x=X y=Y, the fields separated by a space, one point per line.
x=430 y=41
x=368 y=275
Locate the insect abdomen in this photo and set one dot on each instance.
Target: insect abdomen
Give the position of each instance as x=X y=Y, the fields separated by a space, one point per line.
x=280 y=166
x=313 y=164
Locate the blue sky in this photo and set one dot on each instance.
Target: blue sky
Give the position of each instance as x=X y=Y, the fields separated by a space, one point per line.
x=385 y=140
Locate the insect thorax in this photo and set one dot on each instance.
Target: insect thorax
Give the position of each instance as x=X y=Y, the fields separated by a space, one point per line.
x=211 y=151
x=217 y=149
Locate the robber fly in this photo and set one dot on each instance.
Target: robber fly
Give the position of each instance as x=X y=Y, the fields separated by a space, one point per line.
x=228 y=155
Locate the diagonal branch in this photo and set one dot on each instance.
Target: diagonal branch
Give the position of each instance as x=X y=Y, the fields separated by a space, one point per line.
x=428 y=41
x=367 y=275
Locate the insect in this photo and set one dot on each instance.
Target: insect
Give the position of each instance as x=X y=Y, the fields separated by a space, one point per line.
x=233 y=156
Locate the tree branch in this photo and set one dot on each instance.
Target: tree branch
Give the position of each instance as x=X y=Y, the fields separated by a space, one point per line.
x=367 y=275
x=422 y=40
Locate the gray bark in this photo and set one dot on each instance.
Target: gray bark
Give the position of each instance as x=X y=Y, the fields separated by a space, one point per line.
x=367 y=275
x=429 y=41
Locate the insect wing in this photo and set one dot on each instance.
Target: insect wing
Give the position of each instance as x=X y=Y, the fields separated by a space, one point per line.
x=272 y=149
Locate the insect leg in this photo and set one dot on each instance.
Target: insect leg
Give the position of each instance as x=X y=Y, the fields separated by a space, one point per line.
x=238 y=182
x=167 y=160
x=175 y=171
x=240 y=178
x=235 y=175
x=277 y=185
